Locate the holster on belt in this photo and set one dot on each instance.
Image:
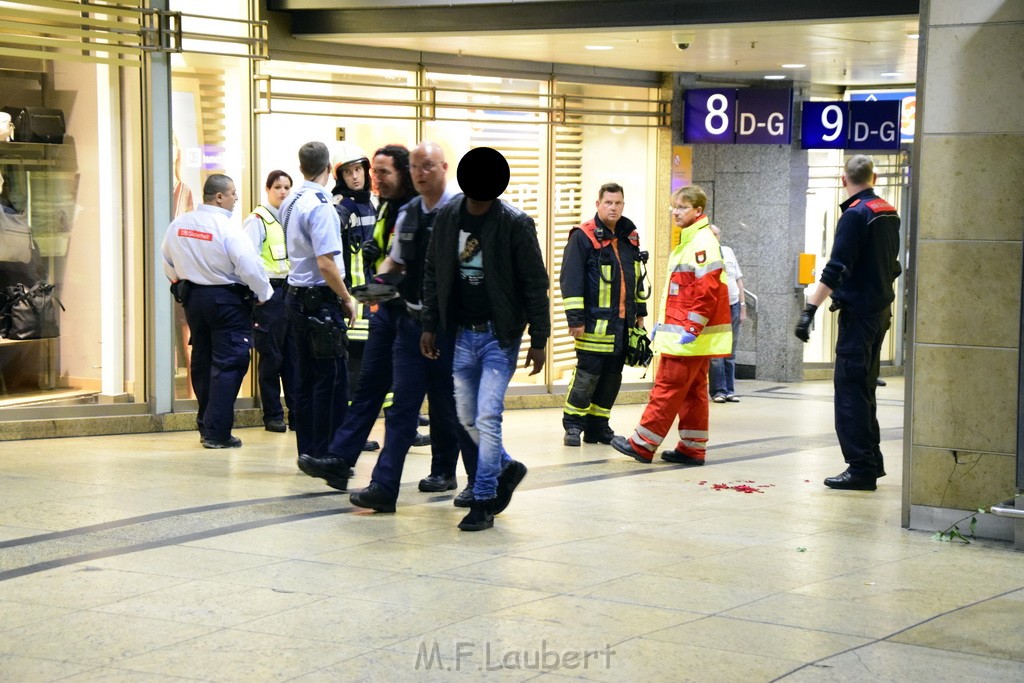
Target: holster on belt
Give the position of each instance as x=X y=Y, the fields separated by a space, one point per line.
x=327 y=339
x=180 y=290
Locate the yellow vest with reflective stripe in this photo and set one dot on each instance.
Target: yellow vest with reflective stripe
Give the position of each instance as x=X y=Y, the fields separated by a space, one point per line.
x=273 y=244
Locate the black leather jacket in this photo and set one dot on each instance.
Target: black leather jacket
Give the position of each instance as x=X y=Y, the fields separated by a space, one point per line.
x=515 y=277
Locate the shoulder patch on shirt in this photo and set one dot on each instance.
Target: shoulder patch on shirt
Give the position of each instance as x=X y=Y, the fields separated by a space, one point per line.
x=323 y=199
x=701 y=257
x=879 y=205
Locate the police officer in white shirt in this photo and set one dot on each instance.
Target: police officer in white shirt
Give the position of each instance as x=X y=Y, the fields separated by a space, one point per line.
x=319 y=305
x=215 y=274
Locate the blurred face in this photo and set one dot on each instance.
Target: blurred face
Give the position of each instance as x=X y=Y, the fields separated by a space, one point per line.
x=684 y=214
x=354 y=175
x=609 y=208
x=428 y=170
x=389 y=184
x=278 y=191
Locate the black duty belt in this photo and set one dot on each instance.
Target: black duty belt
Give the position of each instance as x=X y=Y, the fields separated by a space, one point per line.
x=278 y=283
x=326 y=291
x=240 y=290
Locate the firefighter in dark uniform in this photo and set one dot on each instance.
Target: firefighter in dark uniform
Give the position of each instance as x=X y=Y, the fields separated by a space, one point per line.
x=319 y=305
x=602 y=291
x=859 y=277
x=215 y=272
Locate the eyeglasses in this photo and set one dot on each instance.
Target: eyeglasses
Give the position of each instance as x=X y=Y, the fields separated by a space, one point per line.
x=673 y=207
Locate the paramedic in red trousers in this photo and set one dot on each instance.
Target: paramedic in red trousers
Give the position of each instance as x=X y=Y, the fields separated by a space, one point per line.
x=695 y=328
x=215 y=272
x=858 y=276
x=600 y=272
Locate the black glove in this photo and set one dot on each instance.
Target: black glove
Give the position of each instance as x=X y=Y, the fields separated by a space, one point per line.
x=803 y=326
x=371 y=250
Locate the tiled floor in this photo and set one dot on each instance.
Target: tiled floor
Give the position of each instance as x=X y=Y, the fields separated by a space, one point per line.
x=147 y=558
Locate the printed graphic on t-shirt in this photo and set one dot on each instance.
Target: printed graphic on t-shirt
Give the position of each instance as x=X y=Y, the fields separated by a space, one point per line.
x=471 y=261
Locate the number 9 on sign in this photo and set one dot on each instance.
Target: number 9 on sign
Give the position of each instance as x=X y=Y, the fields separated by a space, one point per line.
x=825 y=125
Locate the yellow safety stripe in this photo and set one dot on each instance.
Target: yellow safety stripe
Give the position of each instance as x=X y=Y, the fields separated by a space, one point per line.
x=604 y=290
x=573 y=303
x=601 y=327
x=598 y=411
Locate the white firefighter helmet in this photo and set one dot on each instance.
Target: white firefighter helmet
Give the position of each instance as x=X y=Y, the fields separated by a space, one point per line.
x=346 y=153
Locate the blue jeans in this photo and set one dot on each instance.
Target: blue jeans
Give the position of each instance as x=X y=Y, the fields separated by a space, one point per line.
x=723 y=370
x=482 y=370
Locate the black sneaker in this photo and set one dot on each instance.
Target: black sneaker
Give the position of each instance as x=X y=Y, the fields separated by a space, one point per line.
x=275 y=426
x=334 y=471
x=603 y=435
x=371 y=446
x=465 y=498
x=230 y=442
x=478 y=518
x=572 y=436
x=436 y=483
x=511 y=475
x=421 y=440
x=373 y=497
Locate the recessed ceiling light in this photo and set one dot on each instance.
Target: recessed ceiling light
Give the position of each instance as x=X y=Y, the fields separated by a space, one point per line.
x=774 y=77
x=793 y=66
x=598 y=47
x=890 y=74
x=913 y=36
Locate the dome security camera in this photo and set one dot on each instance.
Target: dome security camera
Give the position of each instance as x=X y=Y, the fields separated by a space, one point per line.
x=682 y=39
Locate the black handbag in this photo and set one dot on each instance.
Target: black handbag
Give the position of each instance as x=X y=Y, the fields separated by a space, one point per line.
x=31 y=312
x=37 y=124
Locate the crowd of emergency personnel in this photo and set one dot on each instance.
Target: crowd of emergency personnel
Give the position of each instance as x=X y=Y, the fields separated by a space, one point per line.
x=376 y=294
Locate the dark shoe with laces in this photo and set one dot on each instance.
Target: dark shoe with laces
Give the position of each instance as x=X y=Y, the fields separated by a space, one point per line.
x=603 y=435
x=465 y=498
x=371 y=446
x=511 y=475
x=230 y=442
x=373 y=497
x=623 y=445
x=437 y=483
x=572 y=436
x=277 y=425
x=848 y=481
x=334 y=471
x=421 y=440
x=678 y=458
x=478 y=519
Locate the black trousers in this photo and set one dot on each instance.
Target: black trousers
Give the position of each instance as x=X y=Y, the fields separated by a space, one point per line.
x=858 y=351
x=275 y=343
x=593 y=390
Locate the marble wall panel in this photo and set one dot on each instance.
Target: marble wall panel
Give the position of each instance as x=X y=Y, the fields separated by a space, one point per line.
x=961 y=480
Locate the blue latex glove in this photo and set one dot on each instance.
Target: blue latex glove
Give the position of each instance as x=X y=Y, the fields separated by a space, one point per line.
x=687 y=337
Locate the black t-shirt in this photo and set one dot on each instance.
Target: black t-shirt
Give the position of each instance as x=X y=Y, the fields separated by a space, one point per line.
x=471 y=295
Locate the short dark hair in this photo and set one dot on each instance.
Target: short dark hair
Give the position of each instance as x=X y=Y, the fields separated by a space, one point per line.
x=274 y=175
x=400 y=158
x=859 y=169
x=314 y=157
x=611 y=188
x=217 y=182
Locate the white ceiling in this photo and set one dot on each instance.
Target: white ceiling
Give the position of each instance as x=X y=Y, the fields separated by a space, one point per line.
x=847 y=53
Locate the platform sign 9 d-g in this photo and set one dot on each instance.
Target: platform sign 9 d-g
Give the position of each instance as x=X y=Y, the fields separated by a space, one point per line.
x=851 y=125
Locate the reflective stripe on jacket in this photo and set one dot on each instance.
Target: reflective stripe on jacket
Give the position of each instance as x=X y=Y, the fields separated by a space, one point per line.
x=696 y=297
x=274 y=253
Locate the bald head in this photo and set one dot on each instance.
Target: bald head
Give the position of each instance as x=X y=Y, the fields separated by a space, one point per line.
x=429 y=171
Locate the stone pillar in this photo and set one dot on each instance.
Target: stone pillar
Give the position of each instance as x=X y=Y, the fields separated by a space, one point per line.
x=964 y=331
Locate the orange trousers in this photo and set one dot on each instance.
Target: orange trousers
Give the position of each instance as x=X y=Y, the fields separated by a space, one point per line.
x=680 y=391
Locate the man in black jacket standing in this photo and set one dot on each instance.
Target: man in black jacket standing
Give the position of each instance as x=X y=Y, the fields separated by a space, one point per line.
x=858 y=276
x=484 y=281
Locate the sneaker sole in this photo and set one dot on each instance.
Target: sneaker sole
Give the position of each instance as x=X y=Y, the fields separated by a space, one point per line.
x=476 y=527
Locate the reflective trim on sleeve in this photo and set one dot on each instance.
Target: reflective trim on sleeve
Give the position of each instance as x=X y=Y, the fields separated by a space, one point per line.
x=697 y=318
x=573 y=303
x=708 y=268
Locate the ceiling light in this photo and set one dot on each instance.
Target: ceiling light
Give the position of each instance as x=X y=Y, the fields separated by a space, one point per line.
x=890 y=74
x=598 y=47
x=913 y=36
x=774 y=77
x=793 y=66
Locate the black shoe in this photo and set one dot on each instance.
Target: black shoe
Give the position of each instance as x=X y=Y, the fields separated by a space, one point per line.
x=622 y=445
x=603 y=435
x=511 y=475
x=678 y=458
x=572 y=436
x=275 y=426
x=421 y=440
x=371 y=446
x=436 y=483
x=334 y=471
x=373 y=497
x=851 y=482
x=478 y=518
x=423 y=420
x=465 y=498
x=230 y=442
x=880 y=382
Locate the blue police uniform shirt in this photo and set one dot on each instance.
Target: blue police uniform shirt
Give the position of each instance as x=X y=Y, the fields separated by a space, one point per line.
x=203 y=247
x=312 y=228
x=406 y=223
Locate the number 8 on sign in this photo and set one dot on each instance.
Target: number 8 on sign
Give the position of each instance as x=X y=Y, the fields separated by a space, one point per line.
x=709 y=116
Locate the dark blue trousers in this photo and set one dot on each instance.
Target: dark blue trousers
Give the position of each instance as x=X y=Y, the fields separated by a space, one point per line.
x=414 y=377
x=219 y=322
x=275 y=344
x=858 y=351
x=374 y=384
x=322 y=392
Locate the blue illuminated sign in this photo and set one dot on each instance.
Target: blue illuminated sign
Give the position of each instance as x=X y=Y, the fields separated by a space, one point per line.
x=763 y=116
x=873 y=125
x=709 y=116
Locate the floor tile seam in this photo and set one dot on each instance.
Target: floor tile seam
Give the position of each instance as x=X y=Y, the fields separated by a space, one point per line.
x=890 y=636
x=868 y=640
x=954 y=648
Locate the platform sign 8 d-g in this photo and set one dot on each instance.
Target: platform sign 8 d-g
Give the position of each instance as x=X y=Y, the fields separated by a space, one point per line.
x=709 y=116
